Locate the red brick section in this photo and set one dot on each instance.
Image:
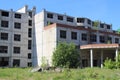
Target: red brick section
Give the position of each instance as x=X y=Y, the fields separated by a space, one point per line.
x=95 y=46
x=78 y=28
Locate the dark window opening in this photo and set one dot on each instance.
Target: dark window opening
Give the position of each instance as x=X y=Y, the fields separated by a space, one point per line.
x=116 y=40
x=30 y=14
x=17 y=25
x=30 y=22
x=16 y=62
x=30 y=32
x=4 y=36
x=60 y=17
x=16 y=50
x=18 y=16
x=108 y=26
x=89 y=21
x=17 y=37
x=3 y=49
x=101 y=25
x=93 y=38
x=29 y=64
x=84 y=37
x=102 y=39
x=62 y=34
x=109 y=39
x=49 y=15
x=49 y=23
x=29 y=44
x=4 y=13
x=4 y=24
x=74 y=35
x=80 y=20
x=69 y=19
x=29 y=55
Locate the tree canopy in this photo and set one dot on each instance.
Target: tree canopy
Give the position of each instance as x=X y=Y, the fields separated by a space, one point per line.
x=66 y=55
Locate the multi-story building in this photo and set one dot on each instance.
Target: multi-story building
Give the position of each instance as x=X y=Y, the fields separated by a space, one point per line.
x=89 y=36
x=26 y=37
x=16 y=36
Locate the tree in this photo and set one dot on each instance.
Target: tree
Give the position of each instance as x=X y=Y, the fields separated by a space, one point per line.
x=66 y=55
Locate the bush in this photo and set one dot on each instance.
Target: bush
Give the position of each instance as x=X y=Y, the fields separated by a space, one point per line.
x=109 y=64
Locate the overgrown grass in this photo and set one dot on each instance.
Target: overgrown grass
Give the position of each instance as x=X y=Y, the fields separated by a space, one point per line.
x=72 y=74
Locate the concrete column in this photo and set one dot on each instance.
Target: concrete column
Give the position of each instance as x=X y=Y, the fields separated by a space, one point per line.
x=116 y=54
x=91 y=58
x=101 y=58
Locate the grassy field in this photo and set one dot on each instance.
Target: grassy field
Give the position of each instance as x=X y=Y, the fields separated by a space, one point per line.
x=72 y=74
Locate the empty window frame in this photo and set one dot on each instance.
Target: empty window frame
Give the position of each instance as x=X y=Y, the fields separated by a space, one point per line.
x=3 y=49
x=116 y=40
x=4 y=13
x=18 y=16
x=29 y=32
x=102 y=39
x=30 y=22
x=93 y=38
x=17 y=37
x=84 y=36
x=60 y=17
x=29 y=44
x=3 y=36
x=69 y=19
x=80 y=20
x=74 y=35
x=29 y=56
x=16 y=50
x=17 y=25
x=4 y=24
x=63 y=34
x=16 y=62
x=49 y=15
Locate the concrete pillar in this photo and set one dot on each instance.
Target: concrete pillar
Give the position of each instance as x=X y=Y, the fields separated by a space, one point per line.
x=91 y=58
x=101 y=58
x=116 y=54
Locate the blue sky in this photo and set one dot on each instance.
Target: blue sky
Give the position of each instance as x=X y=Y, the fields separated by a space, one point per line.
x=107 y=11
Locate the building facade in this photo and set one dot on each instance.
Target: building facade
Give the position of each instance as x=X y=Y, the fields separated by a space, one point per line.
x=16 y=36
x=52 y=28
x=27 y=37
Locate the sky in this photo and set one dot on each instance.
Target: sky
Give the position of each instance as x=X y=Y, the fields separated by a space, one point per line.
x=107 y=11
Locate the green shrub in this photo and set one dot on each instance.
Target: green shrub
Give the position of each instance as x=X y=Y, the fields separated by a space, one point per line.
x=109 y=64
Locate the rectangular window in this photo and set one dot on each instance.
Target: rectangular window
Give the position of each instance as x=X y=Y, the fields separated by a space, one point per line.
x=16 y=62
x=4 y=36
x=30 y=32
x=84 y=36
x=18 y=16
x=4 y=13
x=49 y=15
x=17 y=25
x=93 y=38
x=29 y=64
x=30 y=22
x=30 y=14
x=109 y=39
x=74 y=35
x=89 y=22
x=62 y=34
x=69 y=19
x=17 y=37
x=60 y=17
x=80 y=20
x=3 y=49
x=4 y=24
x=101 y=25
x=29 y=44
x=16 y=50
x=102 y=39
x=29 y=55
x=108 y=26
x=116 y=40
